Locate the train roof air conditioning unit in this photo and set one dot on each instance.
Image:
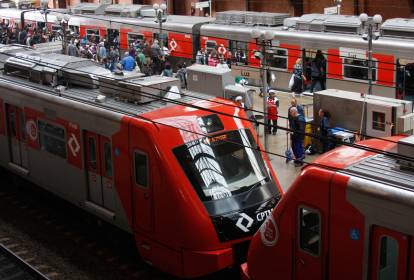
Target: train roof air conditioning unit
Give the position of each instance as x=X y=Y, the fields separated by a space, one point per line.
x=135 y=88
x=89 y=8
x=398 y=27
x=131 y=11
x=325 y=23
x=270 y=19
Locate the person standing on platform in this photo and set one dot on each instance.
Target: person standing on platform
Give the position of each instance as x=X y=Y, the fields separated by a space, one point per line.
x=324 y=127
x=298 y=135
x=298 y=78
x=272 y=113
x=128 y=63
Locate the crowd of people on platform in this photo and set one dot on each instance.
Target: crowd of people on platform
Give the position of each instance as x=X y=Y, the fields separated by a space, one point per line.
x=13 y=34
x=142 y=56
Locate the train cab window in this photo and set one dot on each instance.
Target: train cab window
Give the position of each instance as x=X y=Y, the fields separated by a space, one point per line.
x=378 y=121
x=222 y=166
x=388 y=268
x=132 y=37
x=108 y=159
x=141 y=169
x=93 y=35
x=309 y=231
x=358 y=69
x=277 y=58
x=52 y=138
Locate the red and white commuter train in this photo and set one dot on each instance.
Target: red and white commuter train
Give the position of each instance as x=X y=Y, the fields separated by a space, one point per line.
x=31 y=18
x=186 y=178
x=348 y=217
x=338 y=37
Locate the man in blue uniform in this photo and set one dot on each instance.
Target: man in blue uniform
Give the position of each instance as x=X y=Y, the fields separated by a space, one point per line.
x=128 y=63
x=298 y=135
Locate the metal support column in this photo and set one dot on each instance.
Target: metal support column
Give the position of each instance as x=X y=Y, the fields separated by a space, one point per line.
x=265 y=93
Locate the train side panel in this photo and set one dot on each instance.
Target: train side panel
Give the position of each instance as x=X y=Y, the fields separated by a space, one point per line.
x=52 y=134
x=293 y=243
x=348 y=234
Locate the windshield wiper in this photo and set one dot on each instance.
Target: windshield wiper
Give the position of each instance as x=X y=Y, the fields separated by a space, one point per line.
x=254 y=186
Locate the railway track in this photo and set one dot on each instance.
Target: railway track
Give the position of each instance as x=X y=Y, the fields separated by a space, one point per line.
x=63 y=242
x=13 y=267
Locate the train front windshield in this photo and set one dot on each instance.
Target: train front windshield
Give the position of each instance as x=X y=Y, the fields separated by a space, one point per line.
x=224 y=165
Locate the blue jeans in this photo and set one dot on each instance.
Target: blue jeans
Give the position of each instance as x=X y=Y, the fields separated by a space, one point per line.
x=297 y=148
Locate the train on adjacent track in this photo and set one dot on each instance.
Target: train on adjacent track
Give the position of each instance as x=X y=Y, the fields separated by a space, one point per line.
x=186 y=176
x=349 y=216
x=337 y=36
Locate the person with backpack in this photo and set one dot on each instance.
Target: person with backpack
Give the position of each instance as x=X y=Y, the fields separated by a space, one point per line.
x=318 y=70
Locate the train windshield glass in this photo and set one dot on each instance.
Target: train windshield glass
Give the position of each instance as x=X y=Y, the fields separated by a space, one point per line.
x=224 y=165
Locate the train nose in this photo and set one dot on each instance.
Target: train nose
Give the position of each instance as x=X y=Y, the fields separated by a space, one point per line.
x=243 y=223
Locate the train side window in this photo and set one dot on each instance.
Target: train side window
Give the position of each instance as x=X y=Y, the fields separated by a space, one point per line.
x=277 y=58
x=52 y=138
x=239 y=51
x=93 y=33
x=164 y=38
x=108 y=159
x=358 y=69
x=309 y=231
x=210 y=44
x=388 y=267
x=378 y=121
x=12 y=123
x=132 y=37
x=92 y=153
x=141 y=169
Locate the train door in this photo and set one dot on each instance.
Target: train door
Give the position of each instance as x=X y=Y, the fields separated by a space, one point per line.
x=311 y=247
x=143 y=166
x=308 y=255
x=17 y=136
x=100 y=170
x=389 y=255
x=405 y=78
x=315 y=73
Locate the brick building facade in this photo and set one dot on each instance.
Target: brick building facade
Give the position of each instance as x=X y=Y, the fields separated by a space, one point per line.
x=387 y=8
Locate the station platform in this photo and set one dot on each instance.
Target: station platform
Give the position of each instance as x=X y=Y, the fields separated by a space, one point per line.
x=285 y=172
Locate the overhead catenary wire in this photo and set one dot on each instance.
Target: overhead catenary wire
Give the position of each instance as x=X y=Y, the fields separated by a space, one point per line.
x=156 y=97
x=332 y=76
x=191 y=96
x=217 y=102
x=205 y=135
